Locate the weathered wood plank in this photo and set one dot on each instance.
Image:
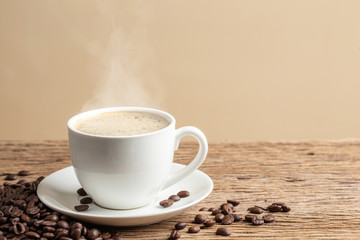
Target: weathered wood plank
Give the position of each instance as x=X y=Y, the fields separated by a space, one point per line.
x=323 y=189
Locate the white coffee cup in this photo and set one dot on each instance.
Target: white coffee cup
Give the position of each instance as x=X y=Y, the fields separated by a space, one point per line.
x=125 y=172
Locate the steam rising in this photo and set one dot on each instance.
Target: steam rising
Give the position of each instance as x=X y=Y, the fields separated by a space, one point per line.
x=124 y=62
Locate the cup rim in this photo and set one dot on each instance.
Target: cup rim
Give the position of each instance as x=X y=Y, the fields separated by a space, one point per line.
x=164 y=114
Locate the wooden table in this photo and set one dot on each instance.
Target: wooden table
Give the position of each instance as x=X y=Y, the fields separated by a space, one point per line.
x=319 y=180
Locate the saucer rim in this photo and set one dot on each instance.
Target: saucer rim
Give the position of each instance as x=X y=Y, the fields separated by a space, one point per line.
x=167 y=211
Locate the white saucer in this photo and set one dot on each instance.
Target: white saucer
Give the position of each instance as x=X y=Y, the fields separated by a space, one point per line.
x=58 y=192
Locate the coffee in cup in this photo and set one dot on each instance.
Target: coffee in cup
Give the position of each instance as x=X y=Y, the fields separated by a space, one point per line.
x=121 y=123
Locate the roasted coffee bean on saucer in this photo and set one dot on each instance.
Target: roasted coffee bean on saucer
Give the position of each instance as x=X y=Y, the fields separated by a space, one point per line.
x=86 y=200
x=81 y=208
x=166 y=203
x=175 y=198
x=81 y=192
x=183 y=194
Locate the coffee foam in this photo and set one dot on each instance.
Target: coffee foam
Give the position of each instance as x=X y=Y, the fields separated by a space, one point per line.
x=121 y=123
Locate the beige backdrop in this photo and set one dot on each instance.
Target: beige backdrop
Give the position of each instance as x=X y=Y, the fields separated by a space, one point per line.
x=239 y=70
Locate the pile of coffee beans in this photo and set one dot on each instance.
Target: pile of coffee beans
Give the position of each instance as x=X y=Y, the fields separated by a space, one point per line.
x=12 y=176
x=225 y=215
x=84 y=201
x=24 y=216
x=174 y=198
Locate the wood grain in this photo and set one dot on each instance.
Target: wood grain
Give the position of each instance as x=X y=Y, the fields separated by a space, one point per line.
x=322 y=189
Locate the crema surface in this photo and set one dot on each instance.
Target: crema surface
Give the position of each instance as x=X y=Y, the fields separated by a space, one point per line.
x=121 y=123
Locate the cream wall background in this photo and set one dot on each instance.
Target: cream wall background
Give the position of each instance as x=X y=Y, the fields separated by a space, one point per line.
x=239 y=70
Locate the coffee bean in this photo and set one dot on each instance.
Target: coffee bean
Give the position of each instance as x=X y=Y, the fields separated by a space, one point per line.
x=81 y=192
x=211 y=209
x=49 y=229
x=16 y=212
x=19 y=228
x=255 y=210
x=285 y=208
x=268 y=218
x=77 y=225
x=194 y=229
x=234 y=202
x=23 y=173
x=175 y=234
x=219 y=217
x=86 y=200
x=48 y=235
x=32 y=234
x=226 y=209
x=62 y=234
x=22 y=181
x=180 y=225
x=223 y=232
x=216 y=211
x=257 y=221
x=274 y=208
x=203 y=209
x=166 y=203
x=84 y=230
x=52 y=217
x=65 y=238
x=49 y=223
x=249 y=217
x=237 y=217
x=10 y=177
x=183 y=194
x=63 y=224
x=228 y=219
x=209 y=223
x=76 y=233
x=175 y=198
x=33 y=210
x=199 y=219
x=25 y=217
x=93 y=233
x=81 y=208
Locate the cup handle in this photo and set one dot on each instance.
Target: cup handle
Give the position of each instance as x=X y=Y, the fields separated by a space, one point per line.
x=198 y=160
